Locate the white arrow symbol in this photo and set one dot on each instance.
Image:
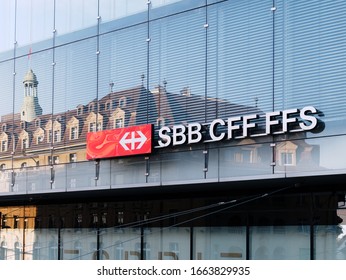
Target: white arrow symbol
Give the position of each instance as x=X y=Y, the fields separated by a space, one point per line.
x=133 y=140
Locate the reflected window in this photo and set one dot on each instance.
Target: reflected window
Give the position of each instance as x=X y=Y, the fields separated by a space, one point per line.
x=92 y=127
x=38 y=123
x=286 y=155
x=53 y=250
x=36 y=254
x=287 y=158
x=49 y=136
x=245 y=156
x=80 y=110
x=174 y=250
x=119 y=123
x=4 y=142
x=15 y=221
x=73 y=157
x=118 y=118
x=17 y=251
x=25 y=143
x=23 y=165
x=53 y=160
x=108 y=105
x=122 y=102
x=73 y=125
x=57 y=136
x=120 y=218
x=92 y=119
x=4 y=146
x=119 y=250
x=3 y=166
x=3 y=251
x=74 y=133
x=39 y=135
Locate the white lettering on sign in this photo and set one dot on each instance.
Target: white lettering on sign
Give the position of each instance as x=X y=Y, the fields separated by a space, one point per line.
x=278 y=122
x=133 y=140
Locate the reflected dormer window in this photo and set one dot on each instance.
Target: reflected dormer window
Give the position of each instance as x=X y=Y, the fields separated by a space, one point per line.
x=4 y=142
x=4 y=127
x=287 y=154
x=91 y=107
x=24 y=140
x=57 y=136
x=122 y=102
x=80 y=110
x=73 y=126
x=92 y=119
x=118 y=118
x=25 y=143
x=38 y=123
x=74 y=132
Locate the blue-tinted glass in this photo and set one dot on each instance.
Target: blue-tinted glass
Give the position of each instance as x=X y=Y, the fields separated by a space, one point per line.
x=310 y=58
x=75 y=20
x=177 y=67
x=117 y=14
x=34 y=24
x=163 y=8
x=7 y=32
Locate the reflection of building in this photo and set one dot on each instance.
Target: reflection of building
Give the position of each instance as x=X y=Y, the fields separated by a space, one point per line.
x=279 y=195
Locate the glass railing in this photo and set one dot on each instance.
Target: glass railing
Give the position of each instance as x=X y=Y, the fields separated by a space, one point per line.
x=244 y=161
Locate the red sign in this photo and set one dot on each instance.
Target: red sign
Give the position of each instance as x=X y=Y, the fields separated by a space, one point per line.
x=127 y=141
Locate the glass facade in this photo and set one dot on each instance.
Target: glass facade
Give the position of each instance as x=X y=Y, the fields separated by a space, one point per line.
x=68 y=68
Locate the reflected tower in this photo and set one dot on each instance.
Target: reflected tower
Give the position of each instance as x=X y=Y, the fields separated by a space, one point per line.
x=30 y=108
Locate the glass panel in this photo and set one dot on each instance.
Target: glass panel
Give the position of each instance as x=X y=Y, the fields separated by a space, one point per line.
x=167 y=243
x=330 y=239
x=116 y=14
x=33 y=97
x=80 y=175
x=45 y=246
x=104 y=178
x=79 y=244
x=38 y=179
x=311 y=155
x=279 y=243
x=127 y=171
x=182 y=166
x=246 y=159
x=121 y=244
x=5 y=181
x=311 y=59
x=6 y=113
x=75 y=76
x=123 y=61
x=220 y=243
x=162 y=8
x=240 y=57
x=34 y=81
x=177 y=68
x=20 y=182
x=7 y=39
x=35 y=23
x=71 y=16
x=154 y=169
x=11 y=244
x=212 y=163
